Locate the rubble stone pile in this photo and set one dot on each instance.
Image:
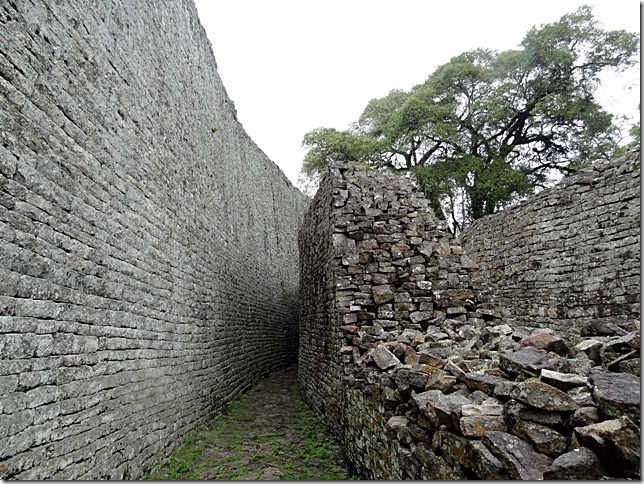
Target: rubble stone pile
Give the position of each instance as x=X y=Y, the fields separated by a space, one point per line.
x=423 y=378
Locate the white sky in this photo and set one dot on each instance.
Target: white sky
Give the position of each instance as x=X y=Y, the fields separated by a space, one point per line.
x=293 y=66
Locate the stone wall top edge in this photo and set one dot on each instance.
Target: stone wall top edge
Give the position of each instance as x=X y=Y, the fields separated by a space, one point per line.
x=588 y=175
x=230 y=104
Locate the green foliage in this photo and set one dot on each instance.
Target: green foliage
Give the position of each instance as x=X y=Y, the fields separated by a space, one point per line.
x=328 y=144
x=313 y=459
x=489 y=127
x=185 y=462
x=635 y=142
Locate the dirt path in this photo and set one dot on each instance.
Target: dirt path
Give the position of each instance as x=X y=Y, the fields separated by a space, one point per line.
x=267 y=434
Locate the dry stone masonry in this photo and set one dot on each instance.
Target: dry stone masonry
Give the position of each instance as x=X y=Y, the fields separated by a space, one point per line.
x=570 y=254
x=148 y=252
x=411 y=358
x=149 y=274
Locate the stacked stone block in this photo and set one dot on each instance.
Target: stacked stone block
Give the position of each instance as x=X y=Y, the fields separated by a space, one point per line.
x=570 y=255
x=378 y=271
x=423 y=377
x=148 y=253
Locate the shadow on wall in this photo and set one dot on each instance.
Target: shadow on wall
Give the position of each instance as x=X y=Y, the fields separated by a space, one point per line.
x=144 y=280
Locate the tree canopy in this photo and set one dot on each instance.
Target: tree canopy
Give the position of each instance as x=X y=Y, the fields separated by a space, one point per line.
x=490 y=127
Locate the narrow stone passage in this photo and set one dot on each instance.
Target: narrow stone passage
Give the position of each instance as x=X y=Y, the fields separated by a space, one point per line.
x=267 y=434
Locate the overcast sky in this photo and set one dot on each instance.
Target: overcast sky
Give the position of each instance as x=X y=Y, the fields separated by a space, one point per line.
x=293 y=66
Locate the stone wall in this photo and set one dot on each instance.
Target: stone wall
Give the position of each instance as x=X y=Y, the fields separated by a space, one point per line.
x=378 y=272
x=319 y=362
x=570 y=255
x=148 y=254
x=422 y=378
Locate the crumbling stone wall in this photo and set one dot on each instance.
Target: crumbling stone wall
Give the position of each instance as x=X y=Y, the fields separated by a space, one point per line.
x=569 y=256
x=424 y=378
x=148 y=254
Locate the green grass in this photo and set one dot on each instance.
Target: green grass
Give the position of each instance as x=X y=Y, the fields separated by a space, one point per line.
x=223 y=449
x=183 y=463
x=314 y=459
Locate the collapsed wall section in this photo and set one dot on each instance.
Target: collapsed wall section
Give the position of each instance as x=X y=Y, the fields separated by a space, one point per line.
x=422 y=378
x=569 y=256
x=148 y=260
x=381 y=283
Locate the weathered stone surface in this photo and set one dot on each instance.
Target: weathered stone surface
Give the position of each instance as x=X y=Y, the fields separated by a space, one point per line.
x=518 y=457
x=515 y=412
x=148 y=248
x=453 y=448
x=503 y=389
x=624 y=344
x=441 y=409
x=440 y=470
x=383 y=294
x=591 y=347
x=485 y=383
x=419 y=316
x=516 y=362
x=617 y=394
x=384 y=358
x=419 y=433
x=543 y=397
x=484 y=464
x=427 y=357
x=581 y=395
x=563 y=381
x=350 y=329
x=144 y=281
x=576 y=465
x=454 y=369
x=542 y=438
x=541 y=256
x=410 y=378
x=399 y=425
x=442 y=382
x=448 y=410
x=547 y=342
x=500 y=330
x=616 y=442
x=579 y=365
x=482 y=409
x=443 y=320
x=632 y=365
x=477 y=426
x=601 y=327
x=585 y=416
x=614 y=362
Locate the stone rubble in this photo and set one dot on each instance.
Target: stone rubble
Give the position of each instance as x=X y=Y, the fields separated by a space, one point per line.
x=438 y=384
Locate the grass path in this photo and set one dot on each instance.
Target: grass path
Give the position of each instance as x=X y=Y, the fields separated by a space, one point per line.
x=267 y=434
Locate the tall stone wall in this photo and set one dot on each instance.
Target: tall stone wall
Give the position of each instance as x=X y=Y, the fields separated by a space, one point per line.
x=319 y=361
x=569 y=256
x=418 y=373
x=378 y=272
x=148 y=253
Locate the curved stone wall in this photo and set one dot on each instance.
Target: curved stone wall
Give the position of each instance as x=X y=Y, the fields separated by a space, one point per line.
x=148 y=254
x=568 y=257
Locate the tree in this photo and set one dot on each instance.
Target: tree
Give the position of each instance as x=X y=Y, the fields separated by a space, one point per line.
x=488 y=128
x=327 y=144
x=635 y=142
